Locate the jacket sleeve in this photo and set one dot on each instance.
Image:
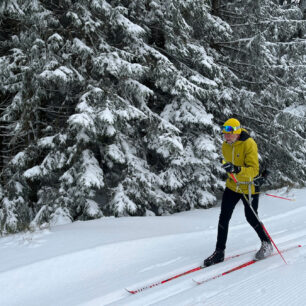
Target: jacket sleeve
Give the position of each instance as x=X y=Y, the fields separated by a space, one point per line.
x=250 y=169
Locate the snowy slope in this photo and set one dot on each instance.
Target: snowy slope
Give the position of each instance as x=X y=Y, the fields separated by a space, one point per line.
x=91 y=263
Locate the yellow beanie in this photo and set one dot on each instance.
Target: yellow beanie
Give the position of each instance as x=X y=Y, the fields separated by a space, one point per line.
x=233 y=123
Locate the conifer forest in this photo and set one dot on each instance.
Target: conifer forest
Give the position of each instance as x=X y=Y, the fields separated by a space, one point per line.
x=114 y=108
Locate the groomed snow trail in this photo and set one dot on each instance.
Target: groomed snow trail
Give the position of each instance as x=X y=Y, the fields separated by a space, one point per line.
x=91 y=263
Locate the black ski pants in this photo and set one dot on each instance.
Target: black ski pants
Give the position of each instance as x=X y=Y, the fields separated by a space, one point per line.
x=229 y=201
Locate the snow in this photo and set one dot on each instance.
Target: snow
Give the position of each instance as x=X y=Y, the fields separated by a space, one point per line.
x=18 y=159
x=32 y=172
x=91 y=263
x=299 y=111
x=116 y=154
x=205 y=144
x=82 y=120
x=62 y=74
x=107 y=116
x=122 y=202
x=55 y=36
x=11 y=7
x=112 y=63
x=93 y=174
x=81 y=47
x=60 y=216
x=131 y=28
x=92 y=208
x=201 y=80
x=46 y=142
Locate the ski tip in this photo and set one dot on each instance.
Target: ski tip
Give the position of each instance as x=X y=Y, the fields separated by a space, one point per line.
x=130 y=291
x=195 y=281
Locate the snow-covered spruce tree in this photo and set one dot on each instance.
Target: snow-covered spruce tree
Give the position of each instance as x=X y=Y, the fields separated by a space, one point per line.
x=15 y=208
x=44 y=87
x=158 y=168
x=113 y=107
x=267 y=55
x=102 y=102
x=195 y=84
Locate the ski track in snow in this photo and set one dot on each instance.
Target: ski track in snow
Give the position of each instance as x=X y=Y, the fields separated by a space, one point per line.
x=160 y=264
x=172 y=294
x=90 y=263
x=269 y=293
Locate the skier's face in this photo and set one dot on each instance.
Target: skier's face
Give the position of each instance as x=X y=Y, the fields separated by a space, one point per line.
x=231 y=138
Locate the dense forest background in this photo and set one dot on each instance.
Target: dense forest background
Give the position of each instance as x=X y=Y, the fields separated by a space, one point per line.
x=112 y=107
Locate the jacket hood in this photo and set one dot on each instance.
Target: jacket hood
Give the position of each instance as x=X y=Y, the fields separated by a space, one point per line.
x=244 y=135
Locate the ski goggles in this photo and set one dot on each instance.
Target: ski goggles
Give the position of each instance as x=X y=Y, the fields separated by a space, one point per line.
x=230 y=129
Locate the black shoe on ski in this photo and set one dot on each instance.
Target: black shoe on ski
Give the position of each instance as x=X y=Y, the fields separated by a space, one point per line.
x=216 y=257
x=265 y=250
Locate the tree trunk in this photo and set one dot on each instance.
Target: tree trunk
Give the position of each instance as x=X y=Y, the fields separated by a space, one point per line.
x=215 y=7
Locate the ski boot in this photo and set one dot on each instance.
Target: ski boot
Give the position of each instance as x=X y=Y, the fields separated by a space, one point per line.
x=265 y=250
x=216 y=257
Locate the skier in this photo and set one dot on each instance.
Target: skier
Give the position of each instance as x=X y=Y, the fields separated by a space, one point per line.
x=241 y=156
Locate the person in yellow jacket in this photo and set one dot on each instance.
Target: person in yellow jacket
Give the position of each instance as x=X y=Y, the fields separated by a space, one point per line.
x=241 y=159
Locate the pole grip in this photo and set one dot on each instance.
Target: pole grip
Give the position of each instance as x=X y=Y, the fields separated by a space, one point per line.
x=231 y=174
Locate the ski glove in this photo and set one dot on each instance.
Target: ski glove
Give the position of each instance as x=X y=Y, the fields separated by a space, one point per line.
x=258 y=181
x=230 y=168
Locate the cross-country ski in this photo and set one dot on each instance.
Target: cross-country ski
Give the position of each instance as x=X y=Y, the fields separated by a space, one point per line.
x=241 y=266
x=134 y=291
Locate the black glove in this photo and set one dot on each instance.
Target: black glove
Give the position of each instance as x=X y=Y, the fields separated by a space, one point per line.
x=230 y=168
x=258 y=181
x=265 y=173
x=262 y=179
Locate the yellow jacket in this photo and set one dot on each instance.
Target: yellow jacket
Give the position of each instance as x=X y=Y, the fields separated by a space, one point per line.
x=243 y=153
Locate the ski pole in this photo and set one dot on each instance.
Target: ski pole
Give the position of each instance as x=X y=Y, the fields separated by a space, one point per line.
x=275 y=196
x=255 y=214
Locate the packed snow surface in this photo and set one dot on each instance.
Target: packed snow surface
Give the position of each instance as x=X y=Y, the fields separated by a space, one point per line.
x=91 y=263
